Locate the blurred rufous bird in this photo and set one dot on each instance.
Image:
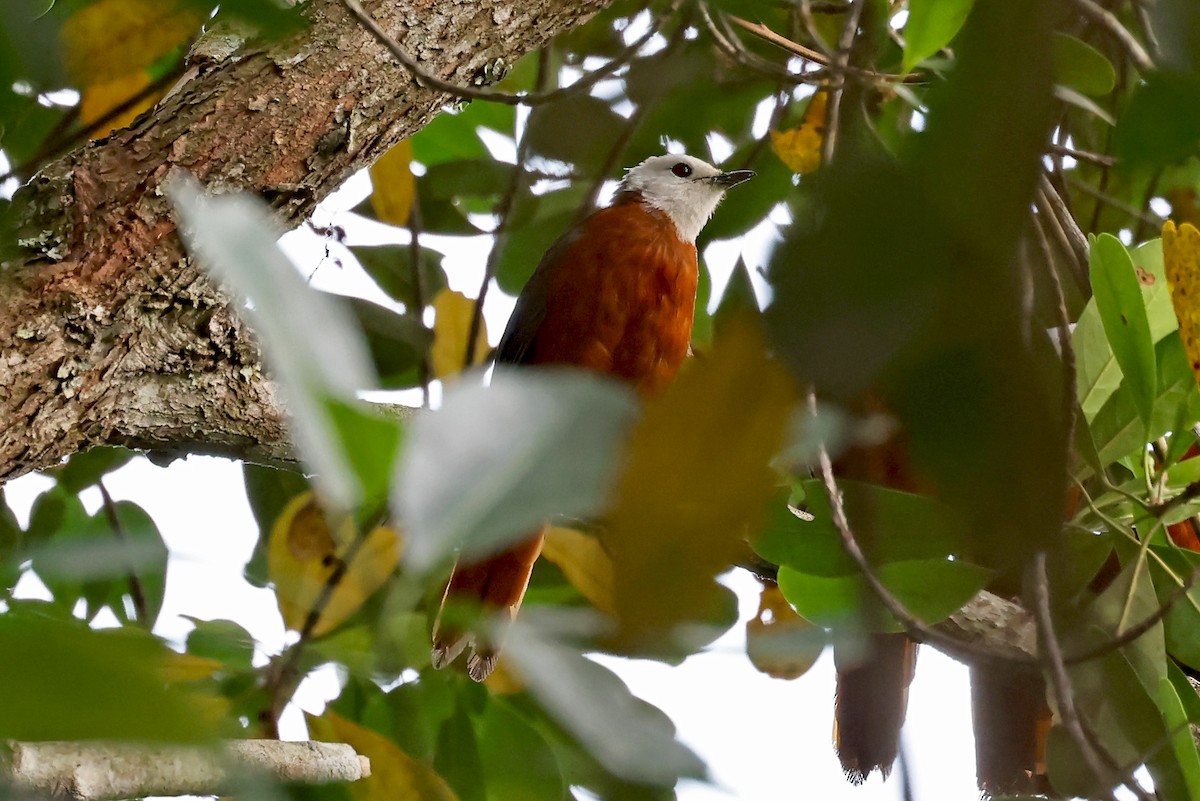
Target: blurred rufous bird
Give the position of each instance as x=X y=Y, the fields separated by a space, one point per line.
x=614 y=294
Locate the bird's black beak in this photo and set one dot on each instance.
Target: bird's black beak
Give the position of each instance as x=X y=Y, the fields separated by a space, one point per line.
x=732 y=178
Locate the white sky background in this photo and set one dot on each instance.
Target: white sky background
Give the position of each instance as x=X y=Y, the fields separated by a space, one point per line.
x=761 y=737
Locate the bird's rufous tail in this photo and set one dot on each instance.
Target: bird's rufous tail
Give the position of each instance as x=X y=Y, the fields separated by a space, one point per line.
x=872 y=695
x=490 y=592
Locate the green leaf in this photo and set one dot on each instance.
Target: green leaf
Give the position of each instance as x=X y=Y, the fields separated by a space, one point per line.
x=483 y=177
x=1097 y=372
x=268 y=490
x=372 y=443
x=234 y=236
x=630 y=738
x=146 y=556
x=397 y=342
x=225 y=641
x=453 y=135
x=536 y=222
x=1182 y=623
x=931 y=25
x=1082 y=67
x=1187 y=694
x=902 y=527
x=458 y=757
x=495 y=463
x=1183 y=747
x=86 y=468
x=390 y=267
x=1161 y=126
x=1175 y=25
x=73 y=683
x=748 y=205
x=517 y=760
x=1117 y=427
x=1119 y=301
x=577 y=130
x=931 y=589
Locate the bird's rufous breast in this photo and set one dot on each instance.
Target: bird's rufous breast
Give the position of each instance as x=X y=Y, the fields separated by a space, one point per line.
x=623 y=298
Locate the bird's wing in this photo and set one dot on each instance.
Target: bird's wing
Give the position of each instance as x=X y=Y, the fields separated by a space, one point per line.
x=516 y=346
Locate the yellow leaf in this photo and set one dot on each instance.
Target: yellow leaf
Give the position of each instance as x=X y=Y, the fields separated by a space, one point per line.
x=779 y=642
x=393 y=186
x=395 y=776
x=800 y=148
x=696 y=479
x=303 y=553
x=503 y=679
x=451 y=327
x=1181 y=259
x=178 y=667
x=110 y=39
x=99 y=99
x=584 y=562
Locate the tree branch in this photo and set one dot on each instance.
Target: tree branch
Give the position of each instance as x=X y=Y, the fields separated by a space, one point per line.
x=102 y=771
x=108 y=334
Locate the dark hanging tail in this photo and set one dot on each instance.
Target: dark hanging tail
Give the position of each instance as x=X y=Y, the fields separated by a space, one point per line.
x=1011 y=719
x=872 y=695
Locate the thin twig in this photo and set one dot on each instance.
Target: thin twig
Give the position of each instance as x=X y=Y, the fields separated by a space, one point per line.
x=592 y=197
x=1189 y=493
x=429 y=81
x=917 y=628
x=1066 y=220
x=837 y=84
x=503 y=211
x=795 y=48
x=765 y=33
x=1144 y=219
x=1109 y=200
x=1068 y=244
x=613 y=157
x=284 y=672
x=1141 y=627
x=52 y=149
x=1107 y=20
x=730 y=46
x=806 y=18
x=1052 y=658
x=1082 y=155
x=418 y=289
x=136 y=592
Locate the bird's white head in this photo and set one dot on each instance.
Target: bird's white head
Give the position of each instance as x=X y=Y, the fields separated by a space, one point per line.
x=685 y=188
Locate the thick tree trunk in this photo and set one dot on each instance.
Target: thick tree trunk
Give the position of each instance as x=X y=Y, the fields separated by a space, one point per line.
x=112 y=336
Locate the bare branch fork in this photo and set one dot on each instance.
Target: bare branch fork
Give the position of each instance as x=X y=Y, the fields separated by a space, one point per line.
x=428 y=80
x=104 y=771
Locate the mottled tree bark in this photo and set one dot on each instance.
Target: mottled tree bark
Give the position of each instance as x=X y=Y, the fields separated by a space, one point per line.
x=110 y=335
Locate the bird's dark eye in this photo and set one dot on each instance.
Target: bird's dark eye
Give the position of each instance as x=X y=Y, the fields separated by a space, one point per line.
x=682 y=170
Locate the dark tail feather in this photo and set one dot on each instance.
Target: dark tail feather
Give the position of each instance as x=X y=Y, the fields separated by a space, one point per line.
x=872 y=695
x=493 y=590
x=1010 y=719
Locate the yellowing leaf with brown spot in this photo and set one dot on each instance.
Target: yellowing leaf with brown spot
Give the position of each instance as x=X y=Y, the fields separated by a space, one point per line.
x=453 y=312
x=779 y=642
x=395 y=776
x=110 y=39
x=303 y=553
x=696 y=480
x=393 y=186
x=99 y=99
x=1181 y=260
x=584 y=562
x=800 y=148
